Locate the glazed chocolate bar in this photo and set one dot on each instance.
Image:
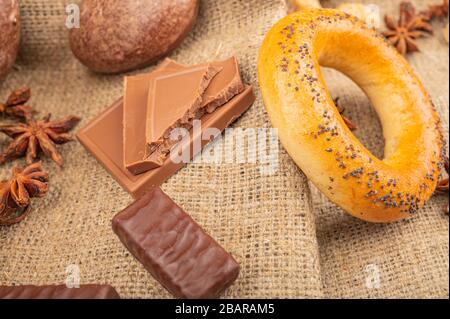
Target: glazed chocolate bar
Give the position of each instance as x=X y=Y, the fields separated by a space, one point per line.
x=174 y=248
x=58 y=292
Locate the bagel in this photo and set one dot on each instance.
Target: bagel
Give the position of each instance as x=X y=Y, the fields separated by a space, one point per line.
x=313 y=132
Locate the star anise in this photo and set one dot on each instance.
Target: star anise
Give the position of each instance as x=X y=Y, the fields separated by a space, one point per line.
x=410 y=26
x=347 y=121
x=15 y=193
x=15 y=104
x=443 y=185
x=439 y=11
x=34 y=136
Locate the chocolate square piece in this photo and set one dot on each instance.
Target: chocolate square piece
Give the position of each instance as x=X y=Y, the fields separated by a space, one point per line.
x=173 y=97
x=168 y=111
x=174 y=248
x=134 y=115
x=224 y=86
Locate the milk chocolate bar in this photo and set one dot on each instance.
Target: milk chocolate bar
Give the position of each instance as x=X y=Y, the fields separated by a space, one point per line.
x=174 y=248
x=134 y=114
x=58 y=292
x=160 y=121
x=103 y=137
x=172 y=97
x=224 y=86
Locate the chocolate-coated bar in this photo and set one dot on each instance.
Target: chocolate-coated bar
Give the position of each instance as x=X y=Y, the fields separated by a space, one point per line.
x=174 y=248
x=58 y=292
x=103 y=137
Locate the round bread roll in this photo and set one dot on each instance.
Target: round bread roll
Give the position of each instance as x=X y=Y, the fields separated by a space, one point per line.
x=122 y=35
x=9 y=35
x=315 y=135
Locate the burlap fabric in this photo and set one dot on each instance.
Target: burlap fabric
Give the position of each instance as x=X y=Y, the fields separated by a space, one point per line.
x=290 y=241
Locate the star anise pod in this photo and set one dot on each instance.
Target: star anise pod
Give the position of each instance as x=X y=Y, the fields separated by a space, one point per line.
x=15 y=104
x=409 y=27
x=439 y=11
x=347 y=121
x=443 y=185
x=34 y=136
x=15 y=193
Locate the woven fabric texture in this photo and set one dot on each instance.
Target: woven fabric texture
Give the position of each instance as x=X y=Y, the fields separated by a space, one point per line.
x=291 y=241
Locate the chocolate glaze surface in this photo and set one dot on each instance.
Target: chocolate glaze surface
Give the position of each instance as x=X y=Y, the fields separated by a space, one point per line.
x=173 y=247
x=103 y=137
x=58 y=292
